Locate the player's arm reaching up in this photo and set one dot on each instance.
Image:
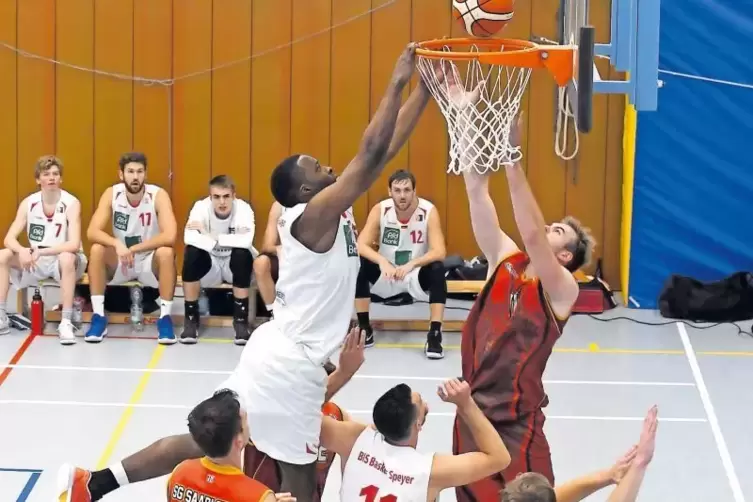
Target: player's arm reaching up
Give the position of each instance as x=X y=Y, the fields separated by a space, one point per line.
x=317 y=226
x=351 y=358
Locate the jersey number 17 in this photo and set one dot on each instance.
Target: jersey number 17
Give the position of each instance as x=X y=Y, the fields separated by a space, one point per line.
x=370 y=493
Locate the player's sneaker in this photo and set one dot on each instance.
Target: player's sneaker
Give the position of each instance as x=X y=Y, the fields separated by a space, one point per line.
x=97 y=329
x=433 y=348
x=4 y=324
x=66 y=332
x=242 y=332
x=73 y=484
x=165 y=332
x=369 y=338
x=190 y=334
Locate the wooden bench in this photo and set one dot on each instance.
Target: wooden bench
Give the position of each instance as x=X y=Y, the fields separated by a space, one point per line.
x=454 y=287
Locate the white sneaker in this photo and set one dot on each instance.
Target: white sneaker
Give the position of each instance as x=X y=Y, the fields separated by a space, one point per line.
x=4 y=324
x=67 y=332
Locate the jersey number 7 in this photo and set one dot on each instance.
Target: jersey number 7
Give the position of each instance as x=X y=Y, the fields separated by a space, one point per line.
x=370 y=492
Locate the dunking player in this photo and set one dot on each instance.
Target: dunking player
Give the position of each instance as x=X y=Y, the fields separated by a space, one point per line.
x=52 y=220
x=516 y=320
x=280 y=377
x=383 y=464
x=140 y=249
x=219 y=239
x=267 y=264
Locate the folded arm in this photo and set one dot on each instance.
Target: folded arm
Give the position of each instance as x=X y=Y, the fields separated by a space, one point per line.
x=168 y=227
x=195 y=237
x=243 y=237
x=437 y=249
x=18 y=225
x=96 y=231
x=73 y=242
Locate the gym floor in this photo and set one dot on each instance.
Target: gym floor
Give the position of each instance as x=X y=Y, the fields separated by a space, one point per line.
x=94 y=404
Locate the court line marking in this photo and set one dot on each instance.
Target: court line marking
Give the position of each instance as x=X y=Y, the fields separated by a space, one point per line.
x=125 y=417
x=355 y=377
x=716 y=430
x=16 y=357
x=29 y=486
x=352 y=412
x=592 y=348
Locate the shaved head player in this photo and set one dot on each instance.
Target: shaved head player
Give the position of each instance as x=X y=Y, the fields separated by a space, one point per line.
x=516 y=320
x=280 y=377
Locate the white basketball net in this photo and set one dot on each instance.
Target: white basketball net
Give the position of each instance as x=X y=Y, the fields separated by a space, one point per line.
x=479 y=109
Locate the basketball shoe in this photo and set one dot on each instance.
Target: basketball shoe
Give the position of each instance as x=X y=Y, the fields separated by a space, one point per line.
x=73 y=484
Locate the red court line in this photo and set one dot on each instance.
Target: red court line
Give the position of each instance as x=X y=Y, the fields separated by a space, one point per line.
x=16 y=357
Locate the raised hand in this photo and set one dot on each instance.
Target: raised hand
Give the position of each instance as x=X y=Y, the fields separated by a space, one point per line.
x=352 y=352
x=455 y=391
x=406 y=63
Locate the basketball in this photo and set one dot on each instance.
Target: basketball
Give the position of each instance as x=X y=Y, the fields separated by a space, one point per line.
x=483 y=18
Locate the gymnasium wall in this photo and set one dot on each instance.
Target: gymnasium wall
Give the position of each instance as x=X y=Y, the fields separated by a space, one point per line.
x=268 y=97
x=693 y=183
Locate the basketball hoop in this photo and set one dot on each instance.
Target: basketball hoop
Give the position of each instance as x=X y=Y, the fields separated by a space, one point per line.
x=479 y=91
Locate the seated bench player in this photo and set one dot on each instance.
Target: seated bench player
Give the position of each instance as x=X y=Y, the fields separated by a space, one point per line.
x=266 y=265
x=219 y=239
x=140 y=247
x=52 y=220
x=411 y=247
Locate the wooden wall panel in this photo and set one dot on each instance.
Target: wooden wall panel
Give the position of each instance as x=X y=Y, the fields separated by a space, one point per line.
x=310 y=86
x=75 y=103
x=9 y=198
x=270 y=101
x=390 y=33
x=351 y=64
x=192 y=107
x=113 y=97
x=36 y=89
x=152 y=59
x=231 y=93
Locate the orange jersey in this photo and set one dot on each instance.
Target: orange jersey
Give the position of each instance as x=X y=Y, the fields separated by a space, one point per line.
x=201 y=480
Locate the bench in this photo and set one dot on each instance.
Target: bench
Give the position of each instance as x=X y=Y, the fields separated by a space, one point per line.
x=453 y=287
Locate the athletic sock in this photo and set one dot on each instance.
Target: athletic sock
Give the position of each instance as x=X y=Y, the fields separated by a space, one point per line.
x=101 y=483
x=192 y=311
x=165 y=307
x=240 y=309
x=67 y=315
x=3 y=308
x=270 y=309
x=98 y=304
x=363 y=320
x=435 y=326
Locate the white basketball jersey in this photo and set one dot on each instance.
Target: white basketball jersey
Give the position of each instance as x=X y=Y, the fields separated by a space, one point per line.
x=315 y=291
x=134 y=224
x=377 y=470
x=47 y=230
x=402 y=241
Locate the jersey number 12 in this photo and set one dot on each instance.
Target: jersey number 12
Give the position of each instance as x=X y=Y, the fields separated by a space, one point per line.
x=370 y=492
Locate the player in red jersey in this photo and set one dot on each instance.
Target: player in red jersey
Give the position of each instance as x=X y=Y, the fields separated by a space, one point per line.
x=516 y=320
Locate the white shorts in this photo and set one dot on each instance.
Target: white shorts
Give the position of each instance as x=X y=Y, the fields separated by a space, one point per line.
x=282 y=392
x=386 y=288
x=47 y=267
x=219 y=273
x=141 y=272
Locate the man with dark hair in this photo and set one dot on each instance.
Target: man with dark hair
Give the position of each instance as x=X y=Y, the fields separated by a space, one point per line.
x=627 y=473
x=140 y=247
x=218 y=426
x=266 y=265
x=407 y=231
x=381 y=462
x=517 y=318
x=219 y=240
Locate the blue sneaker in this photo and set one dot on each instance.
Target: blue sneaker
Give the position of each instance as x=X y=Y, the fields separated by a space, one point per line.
x=97 y=329
x=165 y=333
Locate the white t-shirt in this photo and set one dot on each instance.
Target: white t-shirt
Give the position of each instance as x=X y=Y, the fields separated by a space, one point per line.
x=223 y=234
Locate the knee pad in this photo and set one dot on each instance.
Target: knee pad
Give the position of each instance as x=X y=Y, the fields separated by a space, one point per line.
x=368 y=274
x=196 y=264
x=432 y=279
x=241 y=265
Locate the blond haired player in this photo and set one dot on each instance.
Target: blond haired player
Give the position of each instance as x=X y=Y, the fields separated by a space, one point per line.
x=140 y=247
x=411 y=246
x=52 y=219
x=381 y=463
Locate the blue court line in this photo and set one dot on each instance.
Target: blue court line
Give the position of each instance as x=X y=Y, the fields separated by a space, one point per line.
x=29 y=486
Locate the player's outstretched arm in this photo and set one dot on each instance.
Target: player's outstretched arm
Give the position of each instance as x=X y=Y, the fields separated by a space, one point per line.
x=73 y=243
x=271 y=237
x=96 y=231
x=407 y=118
x=317 y=226
x=630 y=484
x=558 y=282
x=339 y=437
x=457 y=470
x=168 y=226
x=368 y=235
x=18 y=225
x=584 y=486
x=245 y=228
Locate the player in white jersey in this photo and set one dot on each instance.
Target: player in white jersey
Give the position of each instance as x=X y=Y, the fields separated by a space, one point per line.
x=219 y=239
x=381 y=462
x=280 y=377
x=407 y=231
x=52 y=220
x=140 y=248
x=267 y=264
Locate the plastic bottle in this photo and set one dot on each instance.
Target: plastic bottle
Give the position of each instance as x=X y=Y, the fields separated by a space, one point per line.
x=203 y=304
x=78 y=308
x=37 y=314
x=137 y=310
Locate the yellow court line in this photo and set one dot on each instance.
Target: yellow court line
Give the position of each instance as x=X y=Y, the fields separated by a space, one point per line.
x=125 y=417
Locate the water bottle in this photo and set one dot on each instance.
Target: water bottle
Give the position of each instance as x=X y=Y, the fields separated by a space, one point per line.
x=203 y=304
x=137 y=312
x=37 y=314
x=78 y=308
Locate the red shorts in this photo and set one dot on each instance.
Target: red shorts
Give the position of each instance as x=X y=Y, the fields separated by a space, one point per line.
x=528 y=447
